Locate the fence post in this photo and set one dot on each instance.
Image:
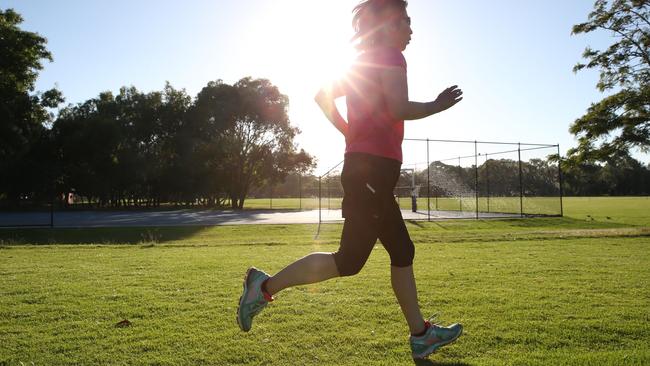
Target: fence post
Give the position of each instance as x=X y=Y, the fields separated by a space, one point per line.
x=521 y=184
x=559 y=173
x=487 y=180
x=300 y=192
x=327 y=184
x=428 y=185
x=476 y=175
x=460 y=194
x=52 y=200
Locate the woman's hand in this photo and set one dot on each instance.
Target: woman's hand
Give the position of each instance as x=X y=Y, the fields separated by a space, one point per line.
x=448 y=98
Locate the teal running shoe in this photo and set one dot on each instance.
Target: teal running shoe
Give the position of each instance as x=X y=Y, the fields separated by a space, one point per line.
x=252 y=301
x=434 y=338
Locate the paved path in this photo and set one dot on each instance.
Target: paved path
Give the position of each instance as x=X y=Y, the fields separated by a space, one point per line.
x=198 y=217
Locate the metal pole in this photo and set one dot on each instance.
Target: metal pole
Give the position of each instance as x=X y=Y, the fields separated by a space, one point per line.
x=476 y=175
x=52 y=208
x=428 y=185
x=319 y=199
x=300 y=192
x=483 y=142
x=460 y=194
x=487 y=178
x=559 y=173
x=521 y=185
x=327 y=182
x=414 y=200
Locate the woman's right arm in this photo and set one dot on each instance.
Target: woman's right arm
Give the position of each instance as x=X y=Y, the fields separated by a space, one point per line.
x=325 y=98
x=395 y=91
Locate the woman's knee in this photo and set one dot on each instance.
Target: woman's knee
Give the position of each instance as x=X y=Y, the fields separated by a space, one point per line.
x=348 y=265
x=404 y=257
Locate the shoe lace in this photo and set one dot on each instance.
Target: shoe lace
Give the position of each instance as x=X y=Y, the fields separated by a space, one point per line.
x=432 y=320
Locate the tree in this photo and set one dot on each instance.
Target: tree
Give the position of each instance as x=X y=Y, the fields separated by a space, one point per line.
x=619 y=122
x=139 y=148
x=122 y=150
x=86 y=138
x=254 y=131
x=22 y=113
x=200 y=147
x=174 y=162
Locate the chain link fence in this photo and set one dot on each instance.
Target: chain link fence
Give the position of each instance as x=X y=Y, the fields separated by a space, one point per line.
x=440 y=179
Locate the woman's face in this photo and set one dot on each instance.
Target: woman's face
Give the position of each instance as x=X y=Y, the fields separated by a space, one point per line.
x=398 y=33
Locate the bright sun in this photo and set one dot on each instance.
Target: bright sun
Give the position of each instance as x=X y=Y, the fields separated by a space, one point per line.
x=306 y=43
x=300 y=46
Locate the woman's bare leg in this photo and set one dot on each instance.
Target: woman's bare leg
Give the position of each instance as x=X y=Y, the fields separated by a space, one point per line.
x=403 y=282
x=315 y=267
x=318 y=267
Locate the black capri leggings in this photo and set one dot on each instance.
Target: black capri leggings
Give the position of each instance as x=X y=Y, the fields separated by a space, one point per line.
x=371 y=213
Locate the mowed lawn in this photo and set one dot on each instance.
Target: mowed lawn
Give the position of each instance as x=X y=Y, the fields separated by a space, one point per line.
x=548 y=291
x=623 y=208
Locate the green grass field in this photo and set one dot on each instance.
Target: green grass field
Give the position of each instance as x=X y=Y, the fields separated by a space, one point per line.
x=531 y=205
x=546 y=291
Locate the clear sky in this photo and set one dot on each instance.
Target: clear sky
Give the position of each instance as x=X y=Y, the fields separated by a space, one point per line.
x=512 y=58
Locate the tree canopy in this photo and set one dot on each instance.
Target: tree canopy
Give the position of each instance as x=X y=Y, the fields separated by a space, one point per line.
x=621 y=121
x=146 y=148
x=22 y=112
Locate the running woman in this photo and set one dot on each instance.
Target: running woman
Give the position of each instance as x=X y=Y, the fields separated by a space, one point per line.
x=377 y=100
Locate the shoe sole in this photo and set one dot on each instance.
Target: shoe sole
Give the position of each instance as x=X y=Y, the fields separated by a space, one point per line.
x=245 y=284
x=437 y=346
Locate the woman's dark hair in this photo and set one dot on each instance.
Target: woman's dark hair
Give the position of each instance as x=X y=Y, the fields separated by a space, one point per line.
x=369 y=16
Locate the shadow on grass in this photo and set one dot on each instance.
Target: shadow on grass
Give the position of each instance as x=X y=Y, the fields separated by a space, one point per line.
x=115 y=236
x=132 y=218
x=443 y=363
x=148 y=235
x=416 y=223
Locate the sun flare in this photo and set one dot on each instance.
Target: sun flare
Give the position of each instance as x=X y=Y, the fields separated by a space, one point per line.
x=307 y=44
x=301 y=46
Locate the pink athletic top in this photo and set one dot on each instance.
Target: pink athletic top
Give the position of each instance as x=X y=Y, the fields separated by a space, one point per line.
x=371 y=129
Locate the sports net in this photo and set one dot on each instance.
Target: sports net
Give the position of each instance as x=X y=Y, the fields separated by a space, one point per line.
x=445 y=179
